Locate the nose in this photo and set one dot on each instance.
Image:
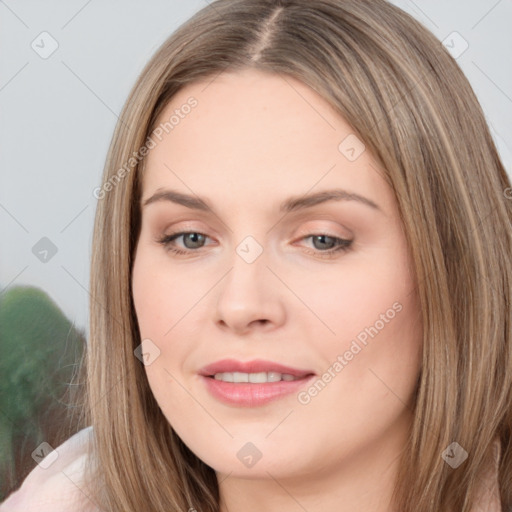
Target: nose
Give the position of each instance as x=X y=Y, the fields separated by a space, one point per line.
x=250 y=297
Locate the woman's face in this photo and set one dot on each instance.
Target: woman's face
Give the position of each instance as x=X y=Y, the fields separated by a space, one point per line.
x=294 y=256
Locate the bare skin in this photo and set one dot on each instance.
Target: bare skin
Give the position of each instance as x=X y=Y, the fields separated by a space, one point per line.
x=253 y=141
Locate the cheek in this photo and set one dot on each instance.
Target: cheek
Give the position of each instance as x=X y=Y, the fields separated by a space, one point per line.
x=167 y=303
x=370 y=326
x=158 y=308
x=161 y=297
x=355 y=299
x=371 y=364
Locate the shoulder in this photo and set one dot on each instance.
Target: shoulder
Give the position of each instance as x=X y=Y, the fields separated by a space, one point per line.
x=54 y=485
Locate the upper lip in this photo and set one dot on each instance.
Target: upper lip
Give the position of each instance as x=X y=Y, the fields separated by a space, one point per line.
x=254 y=366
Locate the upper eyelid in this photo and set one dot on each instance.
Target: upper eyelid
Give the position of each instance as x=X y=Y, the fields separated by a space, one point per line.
x=186 y=228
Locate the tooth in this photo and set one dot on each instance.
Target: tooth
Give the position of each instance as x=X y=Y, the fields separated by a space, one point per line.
x=273 y=377
x=255 y=378
x=227 y=377
x=258 y=378
x=240 y=377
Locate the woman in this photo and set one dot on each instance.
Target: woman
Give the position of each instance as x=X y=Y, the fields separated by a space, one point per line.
x=301 y=277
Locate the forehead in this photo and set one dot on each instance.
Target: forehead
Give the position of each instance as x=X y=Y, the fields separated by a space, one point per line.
x=267 y=133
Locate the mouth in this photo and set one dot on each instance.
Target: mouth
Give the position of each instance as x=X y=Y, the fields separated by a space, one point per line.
x=257 y=371
x=252 y=383
x=253 y=378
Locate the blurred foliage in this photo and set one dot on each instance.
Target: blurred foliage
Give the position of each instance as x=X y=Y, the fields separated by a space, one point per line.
x=40 y=352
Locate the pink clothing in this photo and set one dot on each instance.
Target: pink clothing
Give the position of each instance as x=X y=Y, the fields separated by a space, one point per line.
x=55 y=487
x=58 y=487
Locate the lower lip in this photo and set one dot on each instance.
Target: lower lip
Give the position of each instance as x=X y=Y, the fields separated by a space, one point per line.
x=252 y=395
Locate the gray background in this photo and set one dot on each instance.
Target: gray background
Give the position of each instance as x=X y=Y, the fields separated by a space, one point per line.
x=57 y=114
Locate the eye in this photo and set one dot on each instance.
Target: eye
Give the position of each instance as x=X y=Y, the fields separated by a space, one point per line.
x=326 y=246
x=191 y=239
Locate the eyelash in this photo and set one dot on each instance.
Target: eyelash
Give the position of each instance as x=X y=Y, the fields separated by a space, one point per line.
x=342 y=245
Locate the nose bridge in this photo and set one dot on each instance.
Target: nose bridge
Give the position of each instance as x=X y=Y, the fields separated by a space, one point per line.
x=250 y=250
x=248 y=264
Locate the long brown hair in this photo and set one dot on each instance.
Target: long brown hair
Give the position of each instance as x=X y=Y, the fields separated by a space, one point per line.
x=408 y=101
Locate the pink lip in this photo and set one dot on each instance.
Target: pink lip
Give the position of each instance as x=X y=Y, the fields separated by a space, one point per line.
x=255 y=366
x=252 y=394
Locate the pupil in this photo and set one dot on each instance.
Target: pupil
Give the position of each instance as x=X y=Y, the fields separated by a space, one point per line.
x=322 y=238
x=194 y=237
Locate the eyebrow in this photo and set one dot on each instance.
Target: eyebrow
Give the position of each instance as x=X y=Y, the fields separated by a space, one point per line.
x=290 y=205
